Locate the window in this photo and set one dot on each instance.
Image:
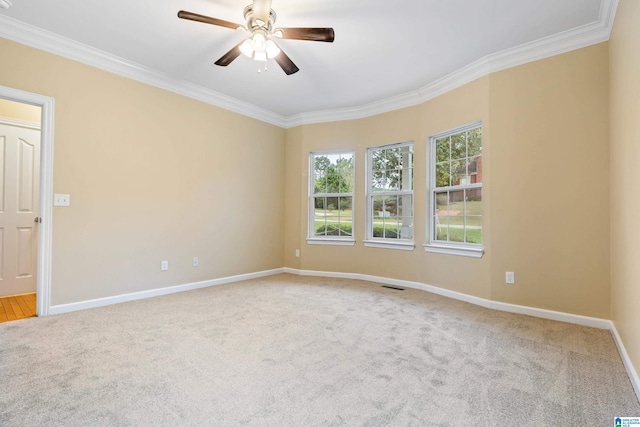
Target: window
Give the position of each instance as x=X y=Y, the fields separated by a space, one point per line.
x=456 y=192
x=390 y=196
x=331 y=182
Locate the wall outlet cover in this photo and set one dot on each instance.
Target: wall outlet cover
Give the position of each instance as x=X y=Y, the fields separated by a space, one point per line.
x=510 y=277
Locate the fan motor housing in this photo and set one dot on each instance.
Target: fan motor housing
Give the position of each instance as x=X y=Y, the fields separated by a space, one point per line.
x=253 y=23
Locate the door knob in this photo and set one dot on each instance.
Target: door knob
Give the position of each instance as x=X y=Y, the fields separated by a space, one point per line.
x=38 y=219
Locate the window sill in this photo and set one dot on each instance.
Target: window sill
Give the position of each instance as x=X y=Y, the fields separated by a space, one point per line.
x=403 y=246
x=334 y=242
x=468 y=251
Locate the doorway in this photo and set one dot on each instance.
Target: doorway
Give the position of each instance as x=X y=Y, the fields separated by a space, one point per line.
x=19 y=208
x=26 y=136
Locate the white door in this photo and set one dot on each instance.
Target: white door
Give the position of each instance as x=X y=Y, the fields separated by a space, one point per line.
x=19 y=186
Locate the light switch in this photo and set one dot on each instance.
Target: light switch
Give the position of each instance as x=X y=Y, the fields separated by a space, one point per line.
x=61 y=200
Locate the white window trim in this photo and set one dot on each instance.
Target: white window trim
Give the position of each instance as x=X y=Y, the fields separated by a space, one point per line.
x=403 y=245
x=329 y=240
x=370 y=241
x=333 y=240
x=472 y=250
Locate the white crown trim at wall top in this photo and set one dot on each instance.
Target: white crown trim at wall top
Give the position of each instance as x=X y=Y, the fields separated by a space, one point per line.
x=586 y=35
x=53 y=43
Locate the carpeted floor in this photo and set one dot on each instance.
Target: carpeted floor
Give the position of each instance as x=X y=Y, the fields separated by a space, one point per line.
x=299 y=351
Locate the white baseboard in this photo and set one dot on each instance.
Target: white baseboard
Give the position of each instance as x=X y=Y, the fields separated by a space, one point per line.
x=633 y=374
x=101 y=302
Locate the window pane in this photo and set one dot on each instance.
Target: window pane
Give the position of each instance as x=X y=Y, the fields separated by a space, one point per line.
x=320 y=183
x=474 y=142
x=319 y=217
x=458 y=172
x=346 y=216
x=442 y=149
x=442 y=203
x=458 y=146
x=442 y=215
x=475 y=170
x=456 y=228
x=442 y=174
x=393 y=179
x=393 y=157
x=378 y=181
x=320 y=164
x=331 y=205
x=344 y=170
x=404 y=214
x=474 y=215
x=474 y=201
x=405 y=205
x=333 y=179
x=456 y=202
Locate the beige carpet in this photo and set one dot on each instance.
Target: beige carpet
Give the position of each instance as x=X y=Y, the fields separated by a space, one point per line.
x=292 y=351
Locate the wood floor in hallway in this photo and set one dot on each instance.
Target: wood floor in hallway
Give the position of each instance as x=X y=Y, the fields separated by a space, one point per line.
x=16 y=307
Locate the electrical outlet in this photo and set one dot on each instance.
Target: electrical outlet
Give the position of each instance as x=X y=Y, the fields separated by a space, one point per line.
x=164 y=266
x=196 y=261
x=297 y=253
x=510 y=277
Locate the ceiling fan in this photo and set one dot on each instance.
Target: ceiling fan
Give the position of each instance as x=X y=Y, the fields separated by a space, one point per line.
x=260 y=45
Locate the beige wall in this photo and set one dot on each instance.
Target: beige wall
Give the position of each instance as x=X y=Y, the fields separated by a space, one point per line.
x=625 y=158
x=20 y=111
x=152 y=176
x=550 y=183
x=546 y=191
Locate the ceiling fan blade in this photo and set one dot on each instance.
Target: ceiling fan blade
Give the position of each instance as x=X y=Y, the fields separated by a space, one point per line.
x=261 y=10
x=228 y=57
x=207 y=19
x=313 y=34
x=286 y=63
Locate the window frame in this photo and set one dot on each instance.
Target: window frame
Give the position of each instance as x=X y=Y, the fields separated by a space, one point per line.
x=474 y=250
x=312 y=239
x=382 y=242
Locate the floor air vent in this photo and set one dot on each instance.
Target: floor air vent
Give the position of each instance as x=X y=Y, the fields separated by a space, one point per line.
x=398 y=288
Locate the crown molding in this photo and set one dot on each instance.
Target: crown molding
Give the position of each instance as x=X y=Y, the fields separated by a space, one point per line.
x=53 y=43
x=576 y=38
x=566 y=41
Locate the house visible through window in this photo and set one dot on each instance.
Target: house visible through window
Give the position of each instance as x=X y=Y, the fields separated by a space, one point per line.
x=331 y=185
x=390 y=196
x=456 y=190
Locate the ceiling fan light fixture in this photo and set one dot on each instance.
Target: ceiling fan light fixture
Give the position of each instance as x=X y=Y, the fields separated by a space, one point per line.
x=247 y=48
x=272 y=50
x=259 y=42
x=260 y=55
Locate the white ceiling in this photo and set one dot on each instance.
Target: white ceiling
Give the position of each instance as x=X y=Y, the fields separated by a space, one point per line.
x=387 y=54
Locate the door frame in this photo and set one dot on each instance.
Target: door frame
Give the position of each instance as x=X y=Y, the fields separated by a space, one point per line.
x=45 y=228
